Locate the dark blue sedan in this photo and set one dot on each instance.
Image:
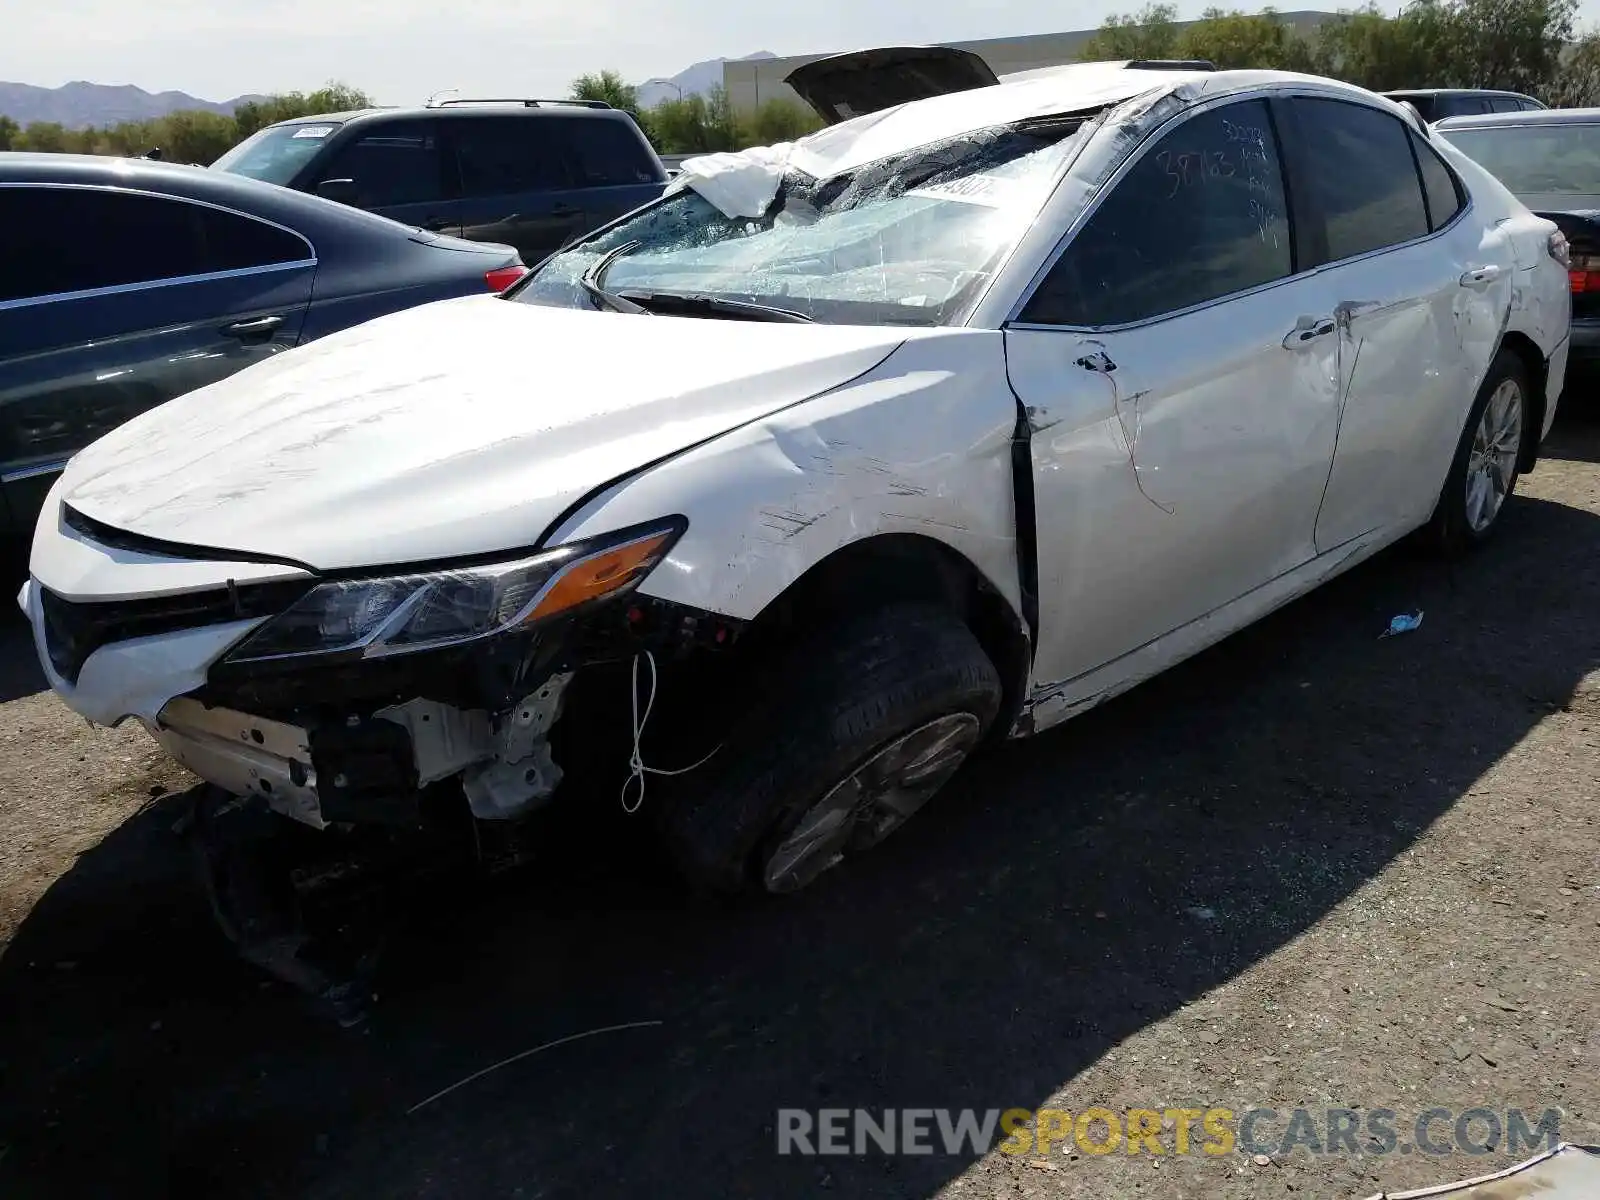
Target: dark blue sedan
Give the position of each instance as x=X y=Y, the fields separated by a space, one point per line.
x=124 y=283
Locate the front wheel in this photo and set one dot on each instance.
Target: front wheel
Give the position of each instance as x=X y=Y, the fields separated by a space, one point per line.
x=1483 y=474
x=860 y=729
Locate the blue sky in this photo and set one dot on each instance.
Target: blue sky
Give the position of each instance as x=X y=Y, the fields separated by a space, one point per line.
x=403 y=50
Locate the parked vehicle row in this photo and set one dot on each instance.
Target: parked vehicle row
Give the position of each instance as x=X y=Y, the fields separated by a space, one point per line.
x=1436 y=104
x=1551 y=161
x=129 y=282
x=531 y=174
x=139 y=281
x=841 y=460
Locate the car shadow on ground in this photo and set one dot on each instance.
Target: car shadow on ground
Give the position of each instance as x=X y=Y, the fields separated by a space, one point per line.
x=1576 y=436
x=1064 y=893
x=19 y=665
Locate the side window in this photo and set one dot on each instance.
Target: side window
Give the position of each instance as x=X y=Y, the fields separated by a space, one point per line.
x=1506 y=104
x=1199 y=216
x=233 y=242
x=506 y=155
x=395 y=163
x=1463 y=106
x=80 y=239
x=609 y=152
x=1362 y=175
x=1438 y=184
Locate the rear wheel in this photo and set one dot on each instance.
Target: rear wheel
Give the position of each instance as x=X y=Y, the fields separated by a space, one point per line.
x=857 y=731
x=1483 y=474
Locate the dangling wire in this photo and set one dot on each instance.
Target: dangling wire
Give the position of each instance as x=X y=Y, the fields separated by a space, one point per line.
x=636 y=764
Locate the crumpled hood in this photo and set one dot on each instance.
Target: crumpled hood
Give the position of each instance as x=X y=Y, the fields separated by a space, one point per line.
x=462 y=427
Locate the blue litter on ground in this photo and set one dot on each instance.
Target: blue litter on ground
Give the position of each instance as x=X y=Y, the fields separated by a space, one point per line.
x=1404 y=623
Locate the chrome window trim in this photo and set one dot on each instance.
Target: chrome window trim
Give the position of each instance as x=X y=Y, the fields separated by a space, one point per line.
x=173 y=281
x=310 y=260
x=1013 y=318
x=33 y=472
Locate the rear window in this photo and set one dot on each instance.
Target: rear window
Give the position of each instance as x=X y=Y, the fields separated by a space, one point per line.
x=610 y=152
x=84 y=239
x=276 y=154
x=1559 y=159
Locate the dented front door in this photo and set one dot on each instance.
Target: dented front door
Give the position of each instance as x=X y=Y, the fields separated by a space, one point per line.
x=1181 y=394
x=1176 y=467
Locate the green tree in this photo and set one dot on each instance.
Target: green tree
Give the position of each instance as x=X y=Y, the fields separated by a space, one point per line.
x=1234 y=39
x=1152 y=32
x=1514 y=44
x=195 y=137
x=10 y=133
x=333 y=97
x=777 y=120
x=695 y=125
x=1365 y=47
x=48 y=136
x=1577 y=83
x=608 y=87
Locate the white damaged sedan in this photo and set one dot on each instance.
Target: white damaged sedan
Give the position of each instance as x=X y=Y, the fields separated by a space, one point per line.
x=769 y=503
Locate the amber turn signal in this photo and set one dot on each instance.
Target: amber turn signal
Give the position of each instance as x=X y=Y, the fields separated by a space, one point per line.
x=601 y=574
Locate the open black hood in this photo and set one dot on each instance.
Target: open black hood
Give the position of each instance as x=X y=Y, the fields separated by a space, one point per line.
x=842 y=86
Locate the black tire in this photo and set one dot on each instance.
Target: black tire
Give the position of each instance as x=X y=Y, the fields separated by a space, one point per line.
x=1450 y=533
x=837 y=701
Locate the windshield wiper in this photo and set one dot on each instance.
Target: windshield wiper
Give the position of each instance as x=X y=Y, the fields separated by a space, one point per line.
x=590 y=280
x=746 y=309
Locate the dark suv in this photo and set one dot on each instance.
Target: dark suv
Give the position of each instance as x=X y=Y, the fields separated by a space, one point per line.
x=533 y=174
x=1435 y=104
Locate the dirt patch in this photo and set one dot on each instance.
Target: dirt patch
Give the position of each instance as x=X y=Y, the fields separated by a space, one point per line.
x=1309 y=869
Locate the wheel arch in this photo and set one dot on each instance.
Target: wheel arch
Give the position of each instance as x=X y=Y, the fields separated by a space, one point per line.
x=896 y=568
x=1538 y=368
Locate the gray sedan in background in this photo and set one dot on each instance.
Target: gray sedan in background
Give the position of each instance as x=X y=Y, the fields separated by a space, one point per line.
x=124 y=283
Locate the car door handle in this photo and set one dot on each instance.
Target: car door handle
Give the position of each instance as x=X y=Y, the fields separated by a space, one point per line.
x=1478 y=276
x=1308 y=330
x=260 y=327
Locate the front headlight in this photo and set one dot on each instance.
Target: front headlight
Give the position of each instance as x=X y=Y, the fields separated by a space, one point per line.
x=398 y=614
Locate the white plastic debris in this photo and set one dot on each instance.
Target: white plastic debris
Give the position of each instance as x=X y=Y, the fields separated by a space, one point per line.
x=739 y=183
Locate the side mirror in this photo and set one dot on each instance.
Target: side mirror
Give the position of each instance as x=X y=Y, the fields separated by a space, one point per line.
x=342 y=190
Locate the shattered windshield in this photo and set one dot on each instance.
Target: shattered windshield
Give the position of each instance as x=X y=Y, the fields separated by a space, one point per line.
x=907 y=240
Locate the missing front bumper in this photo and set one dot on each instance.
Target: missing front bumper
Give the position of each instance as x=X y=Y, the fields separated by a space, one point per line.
x=361 y=769
x=244 y=755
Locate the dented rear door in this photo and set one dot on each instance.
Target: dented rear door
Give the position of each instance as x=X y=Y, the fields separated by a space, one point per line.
x=1417 y=290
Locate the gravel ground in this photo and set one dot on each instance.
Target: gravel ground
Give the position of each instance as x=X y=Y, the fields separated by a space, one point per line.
x=1309 y=868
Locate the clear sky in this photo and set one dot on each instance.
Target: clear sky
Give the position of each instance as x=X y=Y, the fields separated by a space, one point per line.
x=401 y=51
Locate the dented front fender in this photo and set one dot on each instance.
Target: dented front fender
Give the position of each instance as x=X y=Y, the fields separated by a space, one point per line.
x=920 y=444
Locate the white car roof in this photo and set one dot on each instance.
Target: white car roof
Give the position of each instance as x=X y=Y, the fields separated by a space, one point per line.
x=1045 y=91
x=742 y=183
